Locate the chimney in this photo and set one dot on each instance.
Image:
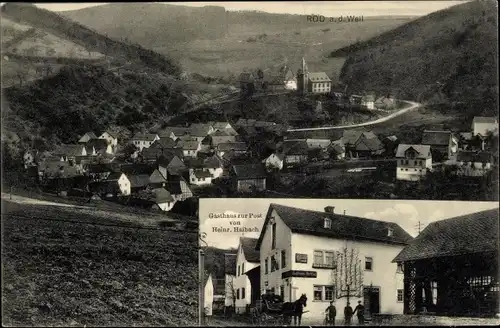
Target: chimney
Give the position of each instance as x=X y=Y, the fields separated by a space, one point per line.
x=330 y=209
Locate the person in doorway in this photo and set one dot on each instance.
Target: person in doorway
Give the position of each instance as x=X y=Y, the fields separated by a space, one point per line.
x=332 y=313
x=348 y=314
x=360 y=310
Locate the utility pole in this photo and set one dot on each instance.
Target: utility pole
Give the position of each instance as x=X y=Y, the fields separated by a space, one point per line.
x=419 y=226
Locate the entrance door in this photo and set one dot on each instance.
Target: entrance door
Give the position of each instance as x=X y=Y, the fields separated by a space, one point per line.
x=371 y=296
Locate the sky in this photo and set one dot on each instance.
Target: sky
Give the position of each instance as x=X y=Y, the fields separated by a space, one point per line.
x=325 y=8
x=406 y=213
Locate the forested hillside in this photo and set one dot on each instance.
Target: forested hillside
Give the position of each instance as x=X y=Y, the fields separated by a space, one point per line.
x=60 y=26
x=448 y=57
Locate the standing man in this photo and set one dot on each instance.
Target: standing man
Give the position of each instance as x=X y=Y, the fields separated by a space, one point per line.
x=360 y=309
x=348 y=314
x=332 y=313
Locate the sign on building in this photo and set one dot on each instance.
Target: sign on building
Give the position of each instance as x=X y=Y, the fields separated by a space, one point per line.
x=300 y=258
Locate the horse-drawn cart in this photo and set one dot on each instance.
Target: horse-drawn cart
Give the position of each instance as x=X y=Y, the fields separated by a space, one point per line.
x=272 y=311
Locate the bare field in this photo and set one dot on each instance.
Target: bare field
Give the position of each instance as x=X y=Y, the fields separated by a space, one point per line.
x=66 y=273
x=232 y=54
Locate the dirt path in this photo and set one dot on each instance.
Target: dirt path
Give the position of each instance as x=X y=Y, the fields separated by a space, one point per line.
x=25 y=200
x=413 y=106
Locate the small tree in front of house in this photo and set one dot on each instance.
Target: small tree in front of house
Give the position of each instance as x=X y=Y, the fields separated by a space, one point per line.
x=348 y=274
x=231 y=293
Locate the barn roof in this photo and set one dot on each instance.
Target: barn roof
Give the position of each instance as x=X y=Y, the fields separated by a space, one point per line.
x=423 y=151
x=466 y=234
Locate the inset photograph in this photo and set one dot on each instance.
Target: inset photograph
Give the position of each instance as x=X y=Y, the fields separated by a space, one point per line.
x=348 y=262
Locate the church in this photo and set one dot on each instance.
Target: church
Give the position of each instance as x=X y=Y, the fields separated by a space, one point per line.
x=312 y=82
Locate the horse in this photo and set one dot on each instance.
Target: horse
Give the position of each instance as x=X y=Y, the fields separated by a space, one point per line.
x=295 y=310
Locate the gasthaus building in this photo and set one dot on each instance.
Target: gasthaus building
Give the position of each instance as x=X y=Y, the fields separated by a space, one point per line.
x=328 y=256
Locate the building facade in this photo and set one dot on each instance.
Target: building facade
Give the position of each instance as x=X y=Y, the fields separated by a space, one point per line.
x=484 y=125
x=300 y=250
x=312 y=82
x=247 y=258
x=413 y=162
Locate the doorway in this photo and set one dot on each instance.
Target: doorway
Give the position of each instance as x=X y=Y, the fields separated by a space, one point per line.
x=371 y=297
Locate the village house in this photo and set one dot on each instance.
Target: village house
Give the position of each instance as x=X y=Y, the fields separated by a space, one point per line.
x=318 y=143
x=163 y=143
x=385 y=103
x=208 y=294
x=200 y=177
x=249 y=177
x=214 y=166
x=138 y=182
x=413 y=162
x=86 y=137
x=157 y=199
x=219 y=137
x=442 y=143
x=296 y=152
x=120 y=182
x=229 y=277
x=144 y=140
x=474 y=163
x=157 y=180
x=111 y=138
x=223 y=126
x=458 y=278
x=247 y=258
x=304 y=252
x=203 y=129
x=337 y=150
x=483 y=125
x=190 y=148
x=68 y=153
x=99 y=171
x=274 y=161
x=178 y=188
x=362 y=144
x=235 y=147
x=170 y=164
x=100 y=146
x=368 y=101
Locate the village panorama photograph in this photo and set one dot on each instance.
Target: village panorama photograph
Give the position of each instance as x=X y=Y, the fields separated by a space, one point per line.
x=117 y=118
x=348 y=262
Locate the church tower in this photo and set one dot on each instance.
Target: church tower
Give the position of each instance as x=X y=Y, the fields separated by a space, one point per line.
x=302 y=77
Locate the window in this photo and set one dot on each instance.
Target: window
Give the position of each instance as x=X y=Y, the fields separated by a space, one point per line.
x=266 y=268
x=329 y=259
x=274 y=235
x=399 y=267
x=400 y=295
x=318 y=258
x=318 y=291
x=368 y=264
x=329 y=292
x=238 y=274
x=243 y=293
x=283 y=259
x=390 y=232
x=282 y=291
x=274 y=264
x=324 y=293
x=238 y=294
x=323 y=259
x=328 y=223
x=242 y=268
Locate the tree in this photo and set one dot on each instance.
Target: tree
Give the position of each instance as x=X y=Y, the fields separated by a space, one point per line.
x=348 y=274
x=231 y=291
